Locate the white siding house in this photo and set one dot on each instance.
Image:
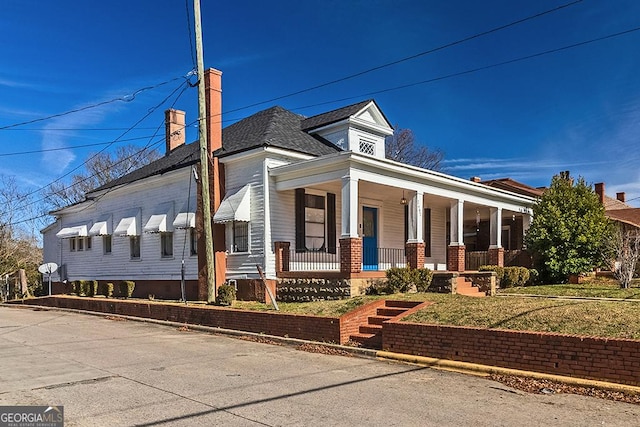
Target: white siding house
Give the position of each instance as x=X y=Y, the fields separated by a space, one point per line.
x=300 y=197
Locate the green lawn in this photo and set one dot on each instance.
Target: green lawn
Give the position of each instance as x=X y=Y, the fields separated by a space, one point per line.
x=582 y=317
x=600 y=288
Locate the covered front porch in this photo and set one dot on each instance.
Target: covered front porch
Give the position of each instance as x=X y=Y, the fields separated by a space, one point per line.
x=356 y=217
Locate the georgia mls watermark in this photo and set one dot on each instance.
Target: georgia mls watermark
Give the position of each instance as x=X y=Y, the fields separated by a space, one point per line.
x=31 y=416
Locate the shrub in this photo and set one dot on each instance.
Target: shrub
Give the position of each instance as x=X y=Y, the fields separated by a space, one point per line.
x=510 y=278
x=88 y=288
x=377 y=287
x=77 y=287
x=105 y=289
x=126 y=288
x=423 y=279
x=498 y=270
x=523 y=276
x=400 y=280
x=507 y=277
x=226 y=294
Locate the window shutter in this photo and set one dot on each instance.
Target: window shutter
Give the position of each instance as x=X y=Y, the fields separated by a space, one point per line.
x=427 y=232
x=300 y=232
x=331 y=223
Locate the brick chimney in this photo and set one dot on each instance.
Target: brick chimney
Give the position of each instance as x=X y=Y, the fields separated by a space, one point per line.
x=213 y=96
x=599 y=189
x=622 y=197
x=175 y=132
x=476 y=179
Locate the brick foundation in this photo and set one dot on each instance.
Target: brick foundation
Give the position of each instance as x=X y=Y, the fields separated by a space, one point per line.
x=415 y=254
x=456 y=259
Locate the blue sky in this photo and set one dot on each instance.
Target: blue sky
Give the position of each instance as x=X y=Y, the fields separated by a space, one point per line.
x=576 y=109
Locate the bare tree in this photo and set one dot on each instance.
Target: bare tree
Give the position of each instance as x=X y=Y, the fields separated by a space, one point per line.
x=626 y=249
x=402 y=147
x=100 y=169
x=18 y=245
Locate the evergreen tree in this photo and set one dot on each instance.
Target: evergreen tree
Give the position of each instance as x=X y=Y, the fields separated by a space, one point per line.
x=569 y=231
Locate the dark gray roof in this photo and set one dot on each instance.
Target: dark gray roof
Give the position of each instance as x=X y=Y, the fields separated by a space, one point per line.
x=274 y=127
x=333 y=116
x=183 y=156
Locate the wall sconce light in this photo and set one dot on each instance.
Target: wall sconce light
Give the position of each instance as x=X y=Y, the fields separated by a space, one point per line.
x=403 y=201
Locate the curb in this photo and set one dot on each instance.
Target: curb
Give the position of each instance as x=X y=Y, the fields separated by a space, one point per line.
x=442 y=364
x=474 y=368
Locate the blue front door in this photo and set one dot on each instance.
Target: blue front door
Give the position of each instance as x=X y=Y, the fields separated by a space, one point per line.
x=369 y=238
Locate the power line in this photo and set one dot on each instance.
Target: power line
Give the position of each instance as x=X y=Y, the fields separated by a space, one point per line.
x=184 y=85
x=18 y=153
x=474 y=70
x=74 y=129
x=191 y=49
x=408 y=58
x=126 y=98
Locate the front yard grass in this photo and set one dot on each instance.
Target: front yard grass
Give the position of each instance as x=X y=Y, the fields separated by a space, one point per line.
x=614 y=319
x=595 y=288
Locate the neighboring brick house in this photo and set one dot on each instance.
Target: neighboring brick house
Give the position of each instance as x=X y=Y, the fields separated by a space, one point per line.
x=299 y=197
x=617 y=209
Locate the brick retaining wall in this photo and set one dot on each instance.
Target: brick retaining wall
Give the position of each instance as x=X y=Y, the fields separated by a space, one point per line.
x=615 y=360
x=323 y=329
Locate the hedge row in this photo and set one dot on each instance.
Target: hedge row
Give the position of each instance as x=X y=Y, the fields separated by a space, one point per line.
x=90 y=288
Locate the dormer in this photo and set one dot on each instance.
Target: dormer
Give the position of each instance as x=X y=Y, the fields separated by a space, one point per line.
x=361 y=128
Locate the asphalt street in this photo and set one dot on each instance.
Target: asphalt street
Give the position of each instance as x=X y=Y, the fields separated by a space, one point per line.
x=109 y=372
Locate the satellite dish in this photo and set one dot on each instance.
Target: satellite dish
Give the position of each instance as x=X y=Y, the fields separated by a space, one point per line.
x=48 y=268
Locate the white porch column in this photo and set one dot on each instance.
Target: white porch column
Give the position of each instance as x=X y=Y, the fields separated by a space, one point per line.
x=416 y=224
x=457 y=219
x=495 y=228
x=349 y=206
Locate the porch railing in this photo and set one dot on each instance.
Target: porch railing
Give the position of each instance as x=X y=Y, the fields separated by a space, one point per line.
x=474 y=259
x=513 y=258
x=379 y=259
x=314 y=261
x=387 y=258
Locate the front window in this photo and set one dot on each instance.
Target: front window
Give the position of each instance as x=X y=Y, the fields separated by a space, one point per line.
x=314 y=218
x=72 y=244
x=166 y=244
x=134 y=247
x=80 y=243
x=240 y=236
x=88 y=242
x=106 y=244
x=193 y=241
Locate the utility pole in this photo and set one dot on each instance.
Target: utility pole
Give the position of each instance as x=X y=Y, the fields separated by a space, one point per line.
x=204 y=158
